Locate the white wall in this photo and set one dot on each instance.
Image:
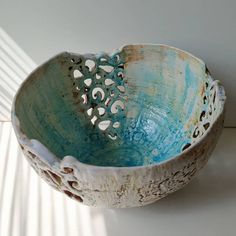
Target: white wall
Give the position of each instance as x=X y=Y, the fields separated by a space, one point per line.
x=207 y=28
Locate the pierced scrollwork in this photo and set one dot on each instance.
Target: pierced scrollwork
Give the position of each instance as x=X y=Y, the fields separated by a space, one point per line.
x=206 y=117
x=99 y=86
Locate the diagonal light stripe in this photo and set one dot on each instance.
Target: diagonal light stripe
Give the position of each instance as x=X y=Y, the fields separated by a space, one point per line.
x=15 y=52
x=28 y=206
x=15 y=65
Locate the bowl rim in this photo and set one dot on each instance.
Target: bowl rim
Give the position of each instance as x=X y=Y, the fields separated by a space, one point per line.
x=16 y=123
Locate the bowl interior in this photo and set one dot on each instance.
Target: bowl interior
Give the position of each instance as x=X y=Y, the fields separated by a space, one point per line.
x=142 y=105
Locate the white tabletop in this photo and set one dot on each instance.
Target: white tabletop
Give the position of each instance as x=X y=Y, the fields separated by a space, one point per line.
x=29 y=207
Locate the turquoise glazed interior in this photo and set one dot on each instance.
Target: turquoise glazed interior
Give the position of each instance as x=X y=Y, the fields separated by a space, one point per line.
x=143 y=104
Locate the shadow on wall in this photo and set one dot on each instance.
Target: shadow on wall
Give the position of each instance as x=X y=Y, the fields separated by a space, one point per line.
x=15 y=65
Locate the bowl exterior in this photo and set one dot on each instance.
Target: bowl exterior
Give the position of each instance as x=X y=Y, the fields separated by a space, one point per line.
x=120 y=187
x=125 y=187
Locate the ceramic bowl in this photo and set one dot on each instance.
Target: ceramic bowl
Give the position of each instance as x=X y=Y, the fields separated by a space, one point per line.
x=122 y=129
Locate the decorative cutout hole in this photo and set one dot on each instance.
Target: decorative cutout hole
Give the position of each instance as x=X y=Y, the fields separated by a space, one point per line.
x=46 y=174
x=78 y=198
x=68 y=193
x=196 y=132
x=186 y=146
x=89 y=111
x=108 y=100
x=206 y=126
x=109 y=82
x=56 y=178
x=112 y=93
x=202 y=115
x=116 y=106
x=108 y=69
x=71 y=195
x=85 y=99
x=68 y=170
x=77 y=74
x=116 y=125
x=73 y=184
x=214 y=97
x=98 y=92
x=90 y=64
x=112 y=136
x=101 y=111
x=103 y=59
x=98 y=76
x=120 y=74
x=103 y=125
x=117 y=57
x=121 y=88
x=93 y=120
x=88 y=82
x=32 y=155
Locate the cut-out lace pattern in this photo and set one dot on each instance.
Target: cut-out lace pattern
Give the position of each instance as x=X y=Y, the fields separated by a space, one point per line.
x=99 y=86
x=207 y=117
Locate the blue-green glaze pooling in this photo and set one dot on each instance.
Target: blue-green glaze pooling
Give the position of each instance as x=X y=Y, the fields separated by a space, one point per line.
x=163 y=100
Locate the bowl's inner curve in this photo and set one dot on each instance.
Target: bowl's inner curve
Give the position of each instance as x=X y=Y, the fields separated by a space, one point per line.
x=139 y=106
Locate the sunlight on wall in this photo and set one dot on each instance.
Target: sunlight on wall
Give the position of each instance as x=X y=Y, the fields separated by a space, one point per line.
x=28 y=206
x=15 y=65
